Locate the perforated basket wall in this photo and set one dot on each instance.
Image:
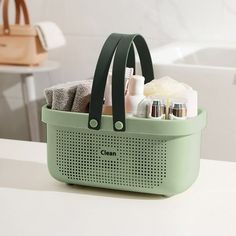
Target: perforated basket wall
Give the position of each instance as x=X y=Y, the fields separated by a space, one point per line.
x=132 y=160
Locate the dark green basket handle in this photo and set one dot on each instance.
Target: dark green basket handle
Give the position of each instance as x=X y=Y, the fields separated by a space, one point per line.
x=118 y=73
x=100 y=78
x=124 y=56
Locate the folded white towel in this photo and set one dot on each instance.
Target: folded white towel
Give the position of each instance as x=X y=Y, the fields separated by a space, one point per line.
x=50 y=35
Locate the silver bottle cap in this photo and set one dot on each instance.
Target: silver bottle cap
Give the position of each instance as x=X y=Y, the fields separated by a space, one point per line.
x=158 y=108
x=178 y=109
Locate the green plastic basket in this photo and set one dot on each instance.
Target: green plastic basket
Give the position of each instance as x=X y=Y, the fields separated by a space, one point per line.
x=140 y=155
x=159 y=157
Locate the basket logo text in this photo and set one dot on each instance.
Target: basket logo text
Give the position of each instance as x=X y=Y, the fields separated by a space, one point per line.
x=108 y=153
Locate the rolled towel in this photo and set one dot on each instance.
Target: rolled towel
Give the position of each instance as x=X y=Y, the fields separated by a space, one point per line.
x=71 y=96
x=61 y=96
x=48 y=92
x=82 y=96
x=50 y=35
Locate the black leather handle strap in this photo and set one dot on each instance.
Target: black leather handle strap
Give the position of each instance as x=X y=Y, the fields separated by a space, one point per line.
x=100 y=78
x=118 y=74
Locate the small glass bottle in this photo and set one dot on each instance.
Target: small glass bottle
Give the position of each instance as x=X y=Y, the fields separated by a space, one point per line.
x=178 y=110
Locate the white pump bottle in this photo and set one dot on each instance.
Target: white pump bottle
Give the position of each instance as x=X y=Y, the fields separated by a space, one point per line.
x=135 y=94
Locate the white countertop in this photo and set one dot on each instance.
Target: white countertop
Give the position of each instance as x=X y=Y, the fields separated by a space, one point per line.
x=32 y=203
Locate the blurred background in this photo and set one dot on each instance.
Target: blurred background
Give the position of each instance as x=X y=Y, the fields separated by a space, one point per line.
x=86 y=24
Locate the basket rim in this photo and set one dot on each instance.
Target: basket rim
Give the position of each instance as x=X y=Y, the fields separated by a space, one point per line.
x=134 y=125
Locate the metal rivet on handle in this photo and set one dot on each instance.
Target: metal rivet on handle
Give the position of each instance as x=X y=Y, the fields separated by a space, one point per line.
x=119 y=125
x=93 y=123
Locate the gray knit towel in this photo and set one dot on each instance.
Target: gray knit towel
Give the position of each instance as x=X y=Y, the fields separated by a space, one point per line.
x=48 y=93
x=61 y=97
x=82 y=96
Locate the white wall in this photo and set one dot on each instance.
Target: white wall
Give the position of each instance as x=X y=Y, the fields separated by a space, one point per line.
x=205 y=20
x=86 y=25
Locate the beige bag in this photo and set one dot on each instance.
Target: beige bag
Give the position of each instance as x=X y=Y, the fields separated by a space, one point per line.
x=19 y=44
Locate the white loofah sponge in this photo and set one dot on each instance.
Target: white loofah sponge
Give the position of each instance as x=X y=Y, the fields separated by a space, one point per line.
x=170 y=89
x=164 y=86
